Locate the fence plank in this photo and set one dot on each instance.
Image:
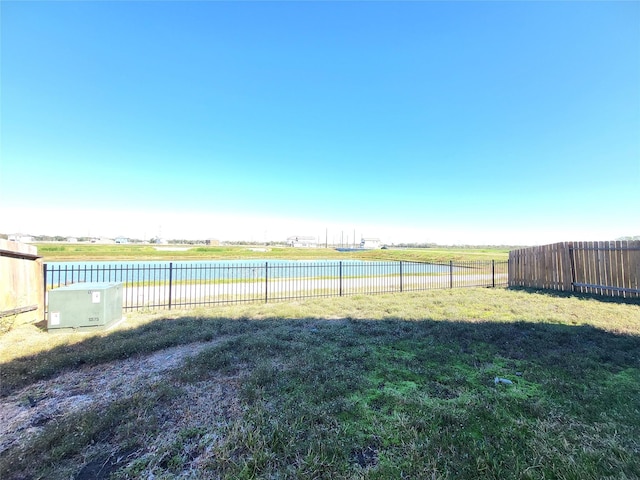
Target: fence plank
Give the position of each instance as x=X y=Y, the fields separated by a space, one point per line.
x=618 y=265
x=588 y=266
x=592 y=258
x=557 y=267
x=634 y=267
x=578 y=266
x=609 y=267
x=627 y=259
x=566 y=267
x=547 y=266
x=598 y=263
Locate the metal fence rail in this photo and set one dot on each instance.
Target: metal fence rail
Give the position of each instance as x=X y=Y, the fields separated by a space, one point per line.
x=166 y=285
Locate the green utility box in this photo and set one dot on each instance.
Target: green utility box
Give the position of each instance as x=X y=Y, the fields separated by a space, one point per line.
x=85 y=306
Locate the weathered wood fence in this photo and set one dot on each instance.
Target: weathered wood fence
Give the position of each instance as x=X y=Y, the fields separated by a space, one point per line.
x=21 y=283
x=601 y=268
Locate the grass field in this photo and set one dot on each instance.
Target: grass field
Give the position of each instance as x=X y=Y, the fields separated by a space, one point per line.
x=68 y=252
x=388 y=386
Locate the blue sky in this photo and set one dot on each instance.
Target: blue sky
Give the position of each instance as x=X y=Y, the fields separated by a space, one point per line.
x=447 y=122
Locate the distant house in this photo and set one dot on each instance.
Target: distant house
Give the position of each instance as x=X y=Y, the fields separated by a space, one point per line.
x=101 y=240
x=122 y=240
x=19 y=237
x=301 y=241
x=370 y=243
x=72 y=240
x=212 y=241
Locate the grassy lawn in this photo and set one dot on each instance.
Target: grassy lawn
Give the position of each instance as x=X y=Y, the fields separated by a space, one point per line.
x=388 y=386
x=68 y=252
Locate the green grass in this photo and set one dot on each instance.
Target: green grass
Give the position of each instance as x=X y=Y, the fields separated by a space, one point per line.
x=68 y=252
x=389 y=386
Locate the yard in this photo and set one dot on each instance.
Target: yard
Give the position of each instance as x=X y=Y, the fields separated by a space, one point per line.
x=464 y=384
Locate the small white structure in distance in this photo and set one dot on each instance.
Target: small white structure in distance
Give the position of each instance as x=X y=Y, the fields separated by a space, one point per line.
x=102 y=240
x=19 y=237
x=370 y=243
x=300 y=241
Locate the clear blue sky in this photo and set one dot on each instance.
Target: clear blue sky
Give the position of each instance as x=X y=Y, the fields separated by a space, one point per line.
x=448 y=122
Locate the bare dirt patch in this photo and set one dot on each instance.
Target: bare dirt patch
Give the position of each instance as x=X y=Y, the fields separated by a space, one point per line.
x=24 y=413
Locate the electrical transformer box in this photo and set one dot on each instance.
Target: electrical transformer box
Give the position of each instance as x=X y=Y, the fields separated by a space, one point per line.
x=85 y=306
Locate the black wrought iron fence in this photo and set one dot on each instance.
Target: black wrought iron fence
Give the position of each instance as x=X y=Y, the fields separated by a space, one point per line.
x=166 y=285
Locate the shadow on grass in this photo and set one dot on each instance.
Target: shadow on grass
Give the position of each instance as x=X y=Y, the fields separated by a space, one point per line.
x=578 y=295
x=574 y=348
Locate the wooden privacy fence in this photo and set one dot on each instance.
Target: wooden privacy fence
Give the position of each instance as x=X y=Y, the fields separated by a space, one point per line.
x=601 y=268
x=21 y=283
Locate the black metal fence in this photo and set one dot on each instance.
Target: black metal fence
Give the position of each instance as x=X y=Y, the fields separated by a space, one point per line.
x=166 y=285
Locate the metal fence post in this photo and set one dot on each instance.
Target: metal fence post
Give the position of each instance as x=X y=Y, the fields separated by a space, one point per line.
x=266 y=282
x=450 y=273
x=170 y=281
x=341 y=278
x=493 y=273
x=400 y=275
x=44 y=300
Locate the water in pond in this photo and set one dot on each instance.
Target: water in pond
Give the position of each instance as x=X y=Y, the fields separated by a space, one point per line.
x=60 y=273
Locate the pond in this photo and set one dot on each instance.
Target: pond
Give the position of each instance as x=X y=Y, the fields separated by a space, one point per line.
x=62 y=273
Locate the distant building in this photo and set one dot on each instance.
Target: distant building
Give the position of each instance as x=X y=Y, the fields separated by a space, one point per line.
x=370 y=243
x=122 y=240
x=300 y=241
x=212 y=241
x=101 y=240
x=19 y=237
x=72 y=240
